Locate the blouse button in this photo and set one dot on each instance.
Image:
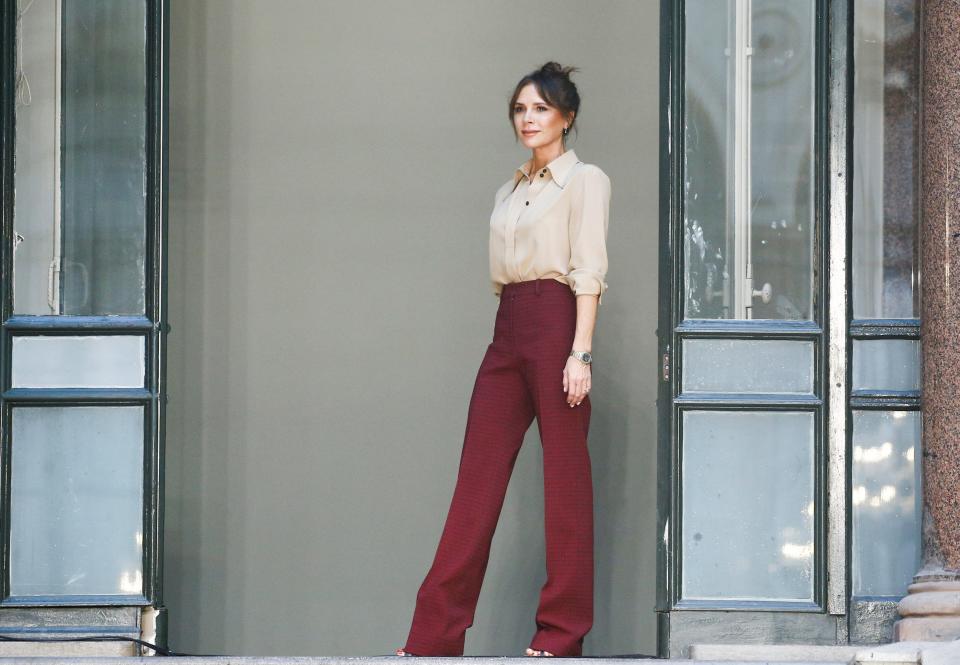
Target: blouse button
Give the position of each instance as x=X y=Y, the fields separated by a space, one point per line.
x=528 y=203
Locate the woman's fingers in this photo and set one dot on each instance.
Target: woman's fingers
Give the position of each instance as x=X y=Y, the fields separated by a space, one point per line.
x=576 y=392
x=576 y=381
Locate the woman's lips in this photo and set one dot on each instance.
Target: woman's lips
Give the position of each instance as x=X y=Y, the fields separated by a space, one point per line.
x=531 y=132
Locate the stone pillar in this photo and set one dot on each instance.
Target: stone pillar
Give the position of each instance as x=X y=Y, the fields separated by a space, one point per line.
x=931 y=610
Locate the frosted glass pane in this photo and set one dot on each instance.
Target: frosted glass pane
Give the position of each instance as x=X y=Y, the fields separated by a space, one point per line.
x=886 y=364
x=885 y=497
x=76 y=505
x=748 y=511
x=110 y=361
x=747 y=366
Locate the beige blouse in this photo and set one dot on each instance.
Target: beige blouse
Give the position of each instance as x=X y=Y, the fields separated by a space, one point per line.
x=552 y=224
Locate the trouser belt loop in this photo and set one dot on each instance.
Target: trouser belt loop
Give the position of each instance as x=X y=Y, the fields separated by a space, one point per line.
x=536 y=287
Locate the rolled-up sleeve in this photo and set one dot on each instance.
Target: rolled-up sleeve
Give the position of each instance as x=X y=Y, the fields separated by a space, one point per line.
x=589 y=221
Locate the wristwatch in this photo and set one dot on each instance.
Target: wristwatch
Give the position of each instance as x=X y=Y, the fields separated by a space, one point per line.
x=582 y=356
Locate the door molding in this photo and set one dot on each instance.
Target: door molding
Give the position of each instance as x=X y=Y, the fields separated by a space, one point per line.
x=826 y=621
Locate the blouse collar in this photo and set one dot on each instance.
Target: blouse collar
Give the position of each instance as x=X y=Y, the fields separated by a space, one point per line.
x=559 y=168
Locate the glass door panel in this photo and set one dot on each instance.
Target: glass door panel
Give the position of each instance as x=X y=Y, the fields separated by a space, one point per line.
x=746 y=525
x=747 y=366
x=886 y=113
x=81 y=350
x=749 y=92
x=749 y=473
x=886 y=365
x=80 y=237
x=885 y=330
x=76 y=519
x=748 y=487
x=68 y=361
x=886 y=503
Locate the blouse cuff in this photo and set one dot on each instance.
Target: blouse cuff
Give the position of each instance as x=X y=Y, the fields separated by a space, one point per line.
x=587 y=282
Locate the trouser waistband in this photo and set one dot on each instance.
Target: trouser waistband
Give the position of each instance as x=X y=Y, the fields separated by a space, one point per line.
x=532 y=286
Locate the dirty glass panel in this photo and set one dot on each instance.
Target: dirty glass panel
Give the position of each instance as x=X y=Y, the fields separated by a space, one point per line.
x=747 y=366
x=886 y=112
x=886 y=364
x=80 y=168
x=748 y=505
x=748 y=159
x=886 y=501
x=76 y=503
x=114 y=361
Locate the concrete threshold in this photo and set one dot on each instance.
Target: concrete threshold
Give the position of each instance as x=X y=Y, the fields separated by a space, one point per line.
x=902 y=653
x=378 y=660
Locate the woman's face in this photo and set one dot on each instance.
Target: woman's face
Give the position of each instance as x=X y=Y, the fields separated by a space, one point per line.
x=536 y=123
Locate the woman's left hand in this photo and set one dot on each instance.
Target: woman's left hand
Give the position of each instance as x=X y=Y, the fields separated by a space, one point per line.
x=576 y=381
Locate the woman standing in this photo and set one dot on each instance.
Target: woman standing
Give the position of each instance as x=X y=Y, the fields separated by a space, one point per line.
x=548 y=262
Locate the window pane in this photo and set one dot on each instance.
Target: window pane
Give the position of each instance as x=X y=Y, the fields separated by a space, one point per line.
x=886 y=506
x=885 y=114
x=748 y=509
x=76 y=505
x=81 y=159
x=886 y=364
x=747 y=366
x=748 y=162
x=110 y=361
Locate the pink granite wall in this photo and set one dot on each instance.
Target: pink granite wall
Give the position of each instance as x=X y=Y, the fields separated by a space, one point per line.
x=940 y=270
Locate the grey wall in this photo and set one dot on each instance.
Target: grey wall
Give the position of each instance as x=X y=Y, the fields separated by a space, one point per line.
x=332 y=170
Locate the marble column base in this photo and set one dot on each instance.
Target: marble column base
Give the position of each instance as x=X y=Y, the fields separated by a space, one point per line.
x=930 y=611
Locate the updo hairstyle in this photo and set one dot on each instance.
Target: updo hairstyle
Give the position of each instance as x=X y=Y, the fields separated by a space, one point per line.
x=553 y=83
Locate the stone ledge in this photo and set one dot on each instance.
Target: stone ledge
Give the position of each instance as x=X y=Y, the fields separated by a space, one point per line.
x=380 y=660
x=784 y=653
x=896 y=653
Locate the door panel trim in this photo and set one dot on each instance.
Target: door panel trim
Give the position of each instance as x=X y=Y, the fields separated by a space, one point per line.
x=839 y=150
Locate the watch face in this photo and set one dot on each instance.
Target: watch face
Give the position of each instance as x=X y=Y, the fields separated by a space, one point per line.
x=587 y=358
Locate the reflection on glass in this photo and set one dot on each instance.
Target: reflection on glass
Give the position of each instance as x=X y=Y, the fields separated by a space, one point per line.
x=747 y=366
x=886 y=111
x=748 y=159
x=886 y=506
x=79 y=211
x=115 y=361
x=76 y=504
x=748 y=505
x=886 y=364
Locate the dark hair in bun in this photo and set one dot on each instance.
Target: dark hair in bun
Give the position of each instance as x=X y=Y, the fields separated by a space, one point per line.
x=553 y=83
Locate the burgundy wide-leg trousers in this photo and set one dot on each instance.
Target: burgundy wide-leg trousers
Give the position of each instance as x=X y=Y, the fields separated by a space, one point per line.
x=521 y=377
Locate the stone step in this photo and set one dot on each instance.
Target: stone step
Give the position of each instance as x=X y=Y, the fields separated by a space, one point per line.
x=897 y=653
x=903 y=653
x=381 y=660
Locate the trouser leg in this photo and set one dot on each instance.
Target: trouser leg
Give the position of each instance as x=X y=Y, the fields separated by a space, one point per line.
x=500 y=413
x=565 y=612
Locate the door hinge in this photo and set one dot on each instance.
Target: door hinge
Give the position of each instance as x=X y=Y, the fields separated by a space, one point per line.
x=665 y=369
